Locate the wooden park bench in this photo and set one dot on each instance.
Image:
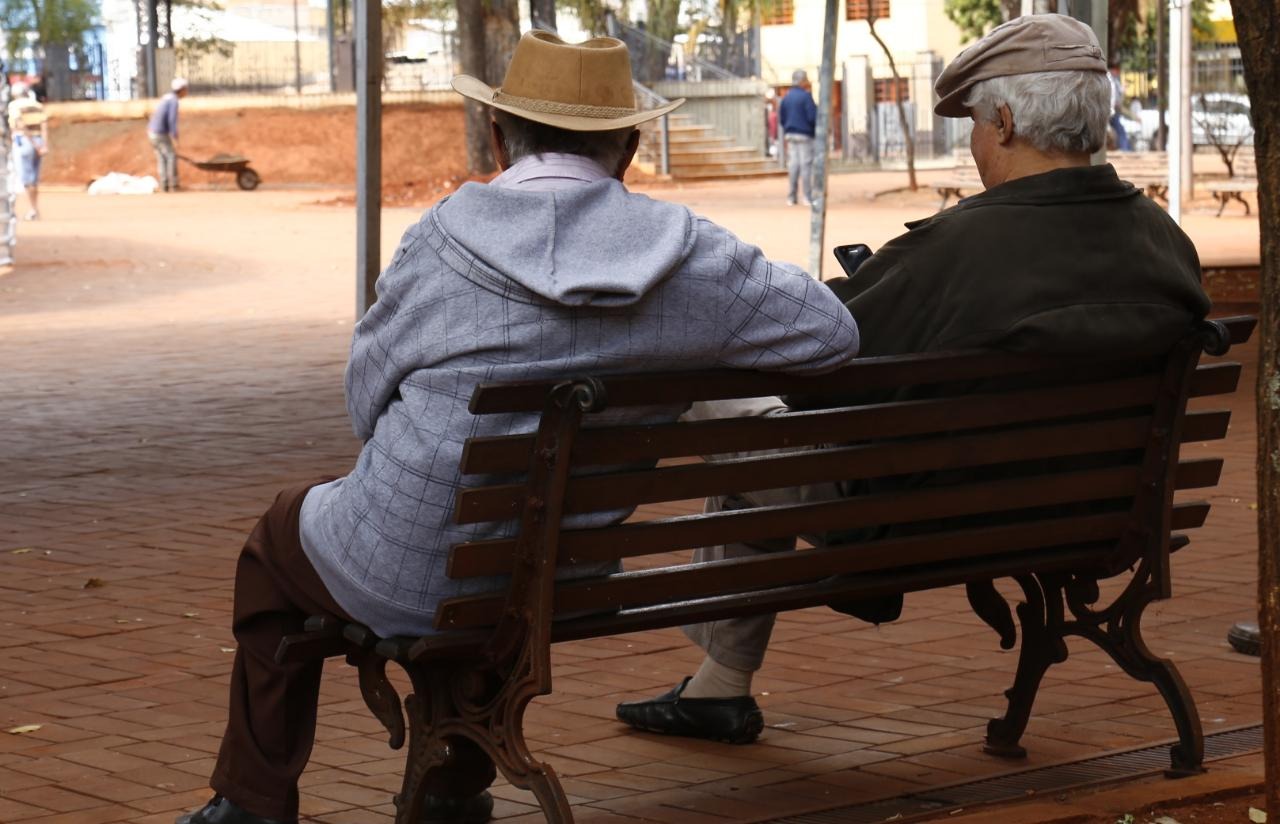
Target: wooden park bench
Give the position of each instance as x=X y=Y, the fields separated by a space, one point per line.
x=963 y=178
x=1148 y=171
x=1244 y=181
x=1056 y=472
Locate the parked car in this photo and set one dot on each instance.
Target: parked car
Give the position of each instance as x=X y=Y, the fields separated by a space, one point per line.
x=1223 y=115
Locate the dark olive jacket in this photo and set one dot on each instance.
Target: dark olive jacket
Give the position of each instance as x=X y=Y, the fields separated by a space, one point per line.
x=1069 y=261
x=1073 y=261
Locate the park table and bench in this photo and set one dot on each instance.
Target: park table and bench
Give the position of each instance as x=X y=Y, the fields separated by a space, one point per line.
x=1056 y=472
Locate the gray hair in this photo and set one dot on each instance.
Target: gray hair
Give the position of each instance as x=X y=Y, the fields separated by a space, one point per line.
x=1053 y=111
x=799 y=76
x=525 y=137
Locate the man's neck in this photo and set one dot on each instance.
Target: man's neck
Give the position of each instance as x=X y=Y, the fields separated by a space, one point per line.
x=1028 y=162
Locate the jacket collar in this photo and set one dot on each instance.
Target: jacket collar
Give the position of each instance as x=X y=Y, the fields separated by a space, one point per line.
x=1082 y=184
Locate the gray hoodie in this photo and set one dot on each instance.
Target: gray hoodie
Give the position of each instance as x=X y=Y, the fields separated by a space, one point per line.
x=500 y=284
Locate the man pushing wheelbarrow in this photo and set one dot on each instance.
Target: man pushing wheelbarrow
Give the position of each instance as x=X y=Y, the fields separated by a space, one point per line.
x=162 y=131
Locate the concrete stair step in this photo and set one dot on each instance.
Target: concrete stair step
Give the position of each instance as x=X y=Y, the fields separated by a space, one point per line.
x=724 y=167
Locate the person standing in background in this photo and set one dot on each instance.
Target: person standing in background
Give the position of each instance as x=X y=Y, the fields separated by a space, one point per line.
x=28 y=124
x=798 y=118
x=162 y=131
x=1117 y=108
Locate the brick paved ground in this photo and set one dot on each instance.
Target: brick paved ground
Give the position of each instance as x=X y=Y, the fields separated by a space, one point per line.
x=169 y=363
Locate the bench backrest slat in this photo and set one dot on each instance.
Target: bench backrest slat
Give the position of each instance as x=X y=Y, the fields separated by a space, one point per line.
x=626 y=444
x=592 y=493
x=484 y=558
x=750 y=577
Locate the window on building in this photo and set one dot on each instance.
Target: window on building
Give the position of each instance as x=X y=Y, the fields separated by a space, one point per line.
x=861 y=9
x=778 y=13
x=889 y=92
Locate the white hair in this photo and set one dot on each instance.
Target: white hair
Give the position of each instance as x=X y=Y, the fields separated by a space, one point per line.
x=178 y=84
x=1053 y=111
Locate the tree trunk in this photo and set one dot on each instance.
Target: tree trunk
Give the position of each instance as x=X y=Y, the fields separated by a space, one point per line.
x=487 y=34
x=1258 y=30
x=542 y=14
x=907 y=134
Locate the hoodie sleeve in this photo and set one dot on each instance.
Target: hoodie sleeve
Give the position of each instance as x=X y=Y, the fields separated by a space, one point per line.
x=384 y=346
x=778 y=318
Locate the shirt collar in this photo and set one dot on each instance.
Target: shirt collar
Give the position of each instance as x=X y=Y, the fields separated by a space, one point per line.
x=550 y=172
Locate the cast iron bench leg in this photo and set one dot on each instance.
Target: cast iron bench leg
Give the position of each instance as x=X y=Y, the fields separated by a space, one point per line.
x=1041 y=648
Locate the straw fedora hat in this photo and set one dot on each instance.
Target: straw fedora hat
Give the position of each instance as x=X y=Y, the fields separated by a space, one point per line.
x=583 y=87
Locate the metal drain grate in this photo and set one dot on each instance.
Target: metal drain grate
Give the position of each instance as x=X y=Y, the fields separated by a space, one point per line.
x=1102 y=769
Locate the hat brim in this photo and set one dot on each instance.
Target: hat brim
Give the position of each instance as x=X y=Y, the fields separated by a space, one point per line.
x=481 y=92
x=953 y=104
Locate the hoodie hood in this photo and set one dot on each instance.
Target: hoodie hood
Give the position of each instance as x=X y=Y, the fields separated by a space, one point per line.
x=591 y=245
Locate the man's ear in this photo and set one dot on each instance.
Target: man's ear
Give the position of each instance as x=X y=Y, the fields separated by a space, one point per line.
x=1004 y=124
x=498 y=142
x=633 y=143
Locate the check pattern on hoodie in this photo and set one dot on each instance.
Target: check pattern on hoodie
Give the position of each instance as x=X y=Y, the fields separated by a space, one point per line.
x=446 y=320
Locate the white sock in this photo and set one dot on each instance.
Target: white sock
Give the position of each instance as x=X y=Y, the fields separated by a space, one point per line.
x=715 y=680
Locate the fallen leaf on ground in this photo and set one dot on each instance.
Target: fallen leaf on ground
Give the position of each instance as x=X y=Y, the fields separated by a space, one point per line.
x=1257 y=816
x=227 y=649
x=190 y=615
x=25 y=728
x=1164 y=819
x=94 y=583
x=22 y=551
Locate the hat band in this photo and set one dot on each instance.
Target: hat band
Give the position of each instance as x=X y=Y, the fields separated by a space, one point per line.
x=554 y=107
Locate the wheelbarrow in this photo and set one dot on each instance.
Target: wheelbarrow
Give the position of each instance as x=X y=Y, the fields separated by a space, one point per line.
x=246 y=178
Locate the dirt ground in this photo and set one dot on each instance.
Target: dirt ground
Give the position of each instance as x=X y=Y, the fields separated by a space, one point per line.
x=423 y=155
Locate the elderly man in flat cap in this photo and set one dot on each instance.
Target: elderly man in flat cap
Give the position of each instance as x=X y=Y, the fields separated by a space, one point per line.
x=553 y=269
x=1056 y=256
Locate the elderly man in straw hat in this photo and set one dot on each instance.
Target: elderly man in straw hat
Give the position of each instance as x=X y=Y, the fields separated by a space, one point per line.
x=1056 y=256
x=552 y=269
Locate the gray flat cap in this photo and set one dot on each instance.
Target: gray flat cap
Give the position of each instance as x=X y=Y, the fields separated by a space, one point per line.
x=1034 y=43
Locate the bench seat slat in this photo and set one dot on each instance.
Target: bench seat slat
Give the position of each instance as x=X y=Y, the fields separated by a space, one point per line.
x=594 y=493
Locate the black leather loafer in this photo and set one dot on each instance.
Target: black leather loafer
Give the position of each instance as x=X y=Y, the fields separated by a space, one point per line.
x=732 y=720
x=476 y=809
x=1245 y=637
x=222 y=810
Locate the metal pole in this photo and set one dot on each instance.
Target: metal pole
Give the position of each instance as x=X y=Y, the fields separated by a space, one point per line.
x=368 y=151
x=664 y=166
x=1188 y=143
x=333 y=63
x=1179 y=139
x=297 y=51
x=826 y=82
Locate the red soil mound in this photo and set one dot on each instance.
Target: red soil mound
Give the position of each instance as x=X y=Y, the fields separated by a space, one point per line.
x=423 y=155
x=423 y=151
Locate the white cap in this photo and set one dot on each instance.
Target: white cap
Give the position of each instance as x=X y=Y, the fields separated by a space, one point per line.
x=178 y=84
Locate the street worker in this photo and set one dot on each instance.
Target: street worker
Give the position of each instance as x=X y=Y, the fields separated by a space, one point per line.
x=553 y=269
x=162 y=131
x=798 y=119
x=1055 y=257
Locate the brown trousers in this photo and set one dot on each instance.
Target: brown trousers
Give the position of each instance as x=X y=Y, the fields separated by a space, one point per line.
x=271 y=719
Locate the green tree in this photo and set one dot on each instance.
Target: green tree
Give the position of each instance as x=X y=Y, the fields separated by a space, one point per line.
x=53 y=22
